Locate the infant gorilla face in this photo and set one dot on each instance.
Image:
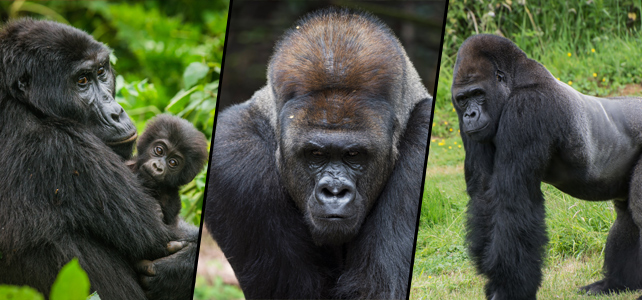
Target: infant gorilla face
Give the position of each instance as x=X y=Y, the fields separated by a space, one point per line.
x=161 y=162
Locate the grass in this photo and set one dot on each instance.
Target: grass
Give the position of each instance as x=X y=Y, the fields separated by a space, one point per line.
x=576 y=229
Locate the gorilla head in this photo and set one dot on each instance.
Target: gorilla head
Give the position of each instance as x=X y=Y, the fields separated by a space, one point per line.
x=321 y=169
x=483 y=78
x=36 y=56
x=171 y=152
x=336 y=123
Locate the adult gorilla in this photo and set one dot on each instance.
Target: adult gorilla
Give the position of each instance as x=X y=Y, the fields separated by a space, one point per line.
x=64 y=193
x=315 y=182
x=520 y=126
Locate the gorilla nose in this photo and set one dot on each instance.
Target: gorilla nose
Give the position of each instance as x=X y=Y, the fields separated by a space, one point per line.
x=470 y=115
x=158 y=167
x=335 y=193
x=116 y=115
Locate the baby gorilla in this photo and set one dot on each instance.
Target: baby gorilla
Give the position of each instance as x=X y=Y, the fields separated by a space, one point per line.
x=171 y=152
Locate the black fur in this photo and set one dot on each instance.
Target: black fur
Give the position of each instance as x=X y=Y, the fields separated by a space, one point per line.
x=180 y=141
x=279 y=162
x=520 y=127
x=64 y=192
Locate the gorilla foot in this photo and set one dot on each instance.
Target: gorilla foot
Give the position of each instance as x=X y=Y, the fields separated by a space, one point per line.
x=602 y=287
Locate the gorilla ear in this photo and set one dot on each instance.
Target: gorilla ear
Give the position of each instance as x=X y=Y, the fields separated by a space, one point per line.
x=500 y=76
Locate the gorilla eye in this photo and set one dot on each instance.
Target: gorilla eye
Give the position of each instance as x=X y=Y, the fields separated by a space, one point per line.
x=317 y=153
x=353 y=153
x=101 y=71
x=83 y=80
x=500 y=75
x=158 y=150
x=173 y=162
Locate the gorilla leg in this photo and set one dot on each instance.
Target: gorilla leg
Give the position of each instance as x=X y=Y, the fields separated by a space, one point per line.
x=623 y=250
x=622 y=259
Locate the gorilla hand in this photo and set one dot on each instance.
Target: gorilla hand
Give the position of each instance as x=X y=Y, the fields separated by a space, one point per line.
x=165 y=277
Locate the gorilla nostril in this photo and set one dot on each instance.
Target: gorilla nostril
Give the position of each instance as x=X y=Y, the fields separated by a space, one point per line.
x=335 y=193
x=157 y=166
x=326 y=193
x=115 y=117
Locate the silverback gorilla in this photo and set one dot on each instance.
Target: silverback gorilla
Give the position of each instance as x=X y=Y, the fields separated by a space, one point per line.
x=65 y=190
x=315 y=181
x=520 y=126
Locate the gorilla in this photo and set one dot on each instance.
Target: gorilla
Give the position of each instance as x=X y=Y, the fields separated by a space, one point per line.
x=65 y=190
x=171 y=152
x=520 y=127
x=315 y=181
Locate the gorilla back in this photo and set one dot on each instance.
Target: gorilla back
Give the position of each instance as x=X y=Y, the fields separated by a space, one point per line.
x=520 y=126
x=315 y=181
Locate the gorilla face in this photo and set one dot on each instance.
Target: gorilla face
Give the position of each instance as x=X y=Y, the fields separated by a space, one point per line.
x=171 y=152
x=479 y=92
x=161 y=163
x=71 y=79
x=93 y=83
x=335 y=155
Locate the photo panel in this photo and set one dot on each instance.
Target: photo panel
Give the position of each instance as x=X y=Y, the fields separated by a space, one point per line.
x=106 y=119
x=537 y=108
x=317 y=163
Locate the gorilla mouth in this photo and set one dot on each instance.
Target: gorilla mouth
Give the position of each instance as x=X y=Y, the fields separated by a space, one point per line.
x=477 y=129
x=334 y=217
x=125 y=140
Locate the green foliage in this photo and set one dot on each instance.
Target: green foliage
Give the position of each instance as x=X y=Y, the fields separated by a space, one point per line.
x=216 y=290
x=19 y=293
x=72 y=283
x=590 y=45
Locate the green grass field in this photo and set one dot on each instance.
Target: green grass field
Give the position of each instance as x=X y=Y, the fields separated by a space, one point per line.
x=576 y=229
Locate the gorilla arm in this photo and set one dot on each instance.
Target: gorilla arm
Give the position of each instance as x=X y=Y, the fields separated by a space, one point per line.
x=383 y=272
x=83 y=203
x=507 y=208
x=246 y=199
x=172 y=273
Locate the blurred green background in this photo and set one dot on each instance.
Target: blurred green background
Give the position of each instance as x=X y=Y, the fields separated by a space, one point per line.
x=256 y=26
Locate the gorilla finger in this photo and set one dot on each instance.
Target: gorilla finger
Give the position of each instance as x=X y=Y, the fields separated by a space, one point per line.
x=145 y=267
x=144 y=281
x=175 y=246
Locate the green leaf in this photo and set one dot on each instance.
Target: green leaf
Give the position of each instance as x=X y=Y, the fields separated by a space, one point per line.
x=72 y=283
x=193 y=73
x=19 y=293
x=179 y=100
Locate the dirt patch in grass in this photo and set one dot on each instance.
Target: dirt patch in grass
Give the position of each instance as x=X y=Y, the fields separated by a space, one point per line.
x=631 y=90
